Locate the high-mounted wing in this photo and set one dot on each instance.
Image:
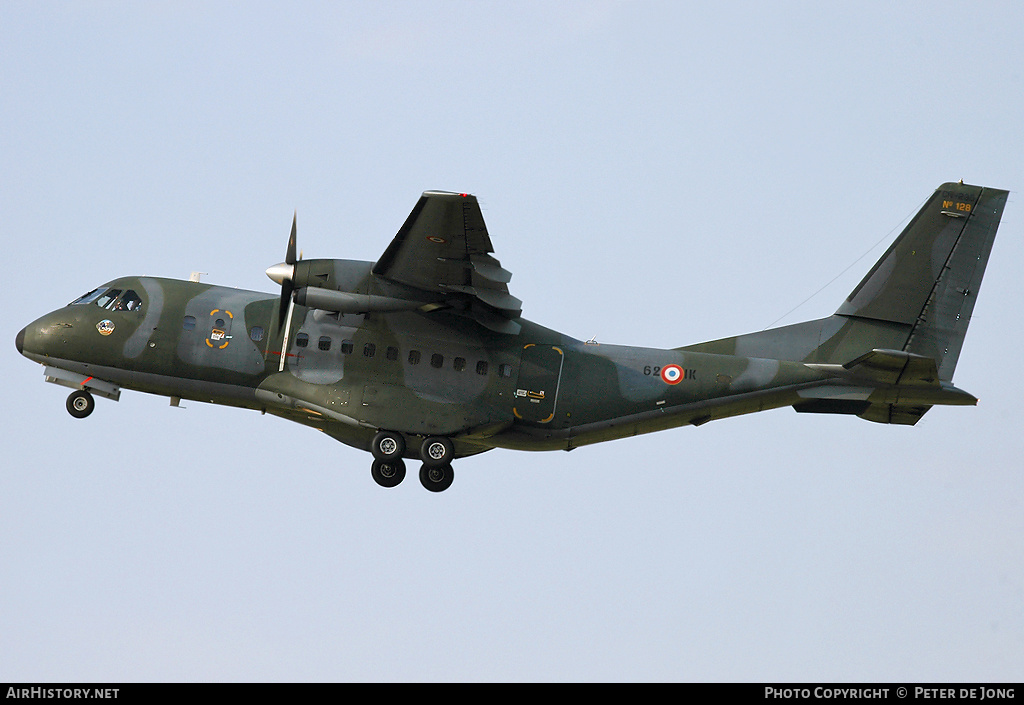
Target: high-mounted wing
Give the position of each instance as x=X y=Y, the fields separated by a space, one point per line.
x=443 y=247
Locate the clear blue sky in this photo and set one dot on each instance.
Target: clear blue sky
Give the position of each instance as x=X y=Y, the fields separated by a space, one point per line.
x=653 y=173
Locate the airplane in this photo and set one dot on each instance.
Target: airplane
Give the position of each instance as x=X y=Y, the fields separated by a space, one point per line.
x=424 y=354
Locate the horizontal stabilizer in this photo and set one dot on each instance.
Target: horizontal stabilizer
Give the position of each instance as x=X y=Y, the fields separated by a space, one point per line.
x=885 y=386
x=903 y=415
x=895 y=367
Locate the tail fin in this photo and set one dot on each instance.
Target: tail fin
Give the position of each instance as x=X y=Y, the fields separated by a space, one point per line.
x=918 y=298
x=930 y=277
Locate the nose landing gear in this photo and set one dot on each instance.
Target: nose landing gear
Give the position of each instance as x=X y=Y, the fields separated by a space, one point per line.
x=80 y=403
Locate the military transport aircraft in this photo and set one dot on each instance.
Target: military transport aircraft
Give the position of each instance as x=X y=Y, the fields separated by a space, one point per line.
x=424 y=354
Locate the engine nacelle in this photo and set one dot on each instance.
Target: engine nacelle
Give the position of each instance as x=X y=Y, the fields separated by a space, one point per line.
x=349 y=302
x=341 y=285
x=331 y=274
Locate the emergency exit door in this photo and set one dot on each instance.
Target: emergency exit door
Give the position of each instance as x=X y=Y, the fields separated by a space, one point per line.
x=540 y=372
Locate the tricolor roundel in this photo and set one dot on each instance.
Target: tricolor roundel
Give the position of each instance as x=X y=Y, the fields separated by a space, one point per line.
x=672 y=374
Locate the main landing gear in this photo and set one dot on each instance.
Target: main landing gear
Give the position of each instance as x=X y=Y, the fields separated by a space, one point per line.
x=388 y=468
x=437 y=478
x=388 y=473
x=437 y=453
x=80 y=403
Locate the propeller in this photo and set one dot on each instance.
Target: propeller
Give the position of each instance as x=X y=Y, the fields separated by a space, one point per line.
x=284 y=274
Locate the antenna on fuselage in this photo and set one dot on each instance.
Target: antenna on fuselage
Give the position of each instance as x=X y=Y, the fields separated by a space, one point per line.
x=194 y=276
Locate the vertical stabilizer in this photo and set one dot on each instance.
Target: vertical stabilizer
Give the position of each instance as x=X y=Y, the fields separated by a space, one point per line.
x=930 y=276
x=918 y=298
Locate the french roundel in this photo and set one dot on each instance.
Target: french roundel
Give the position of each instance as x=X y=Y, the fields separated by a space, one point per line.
x=671 y=374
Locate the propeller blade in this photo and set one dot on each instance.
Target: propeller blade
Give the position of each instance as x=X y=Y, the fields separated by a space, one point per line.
x=289 y=256
x=286 y=273
x=287 y=331
x=286 y=299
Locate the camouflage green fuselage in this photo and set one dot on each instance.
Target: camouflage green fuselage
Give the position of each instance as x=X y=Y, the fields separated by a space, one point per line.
x=421 y=374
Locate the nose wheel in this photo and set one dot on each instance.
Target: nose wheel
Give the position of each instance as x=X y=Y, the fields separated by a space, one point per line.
x=80 y=403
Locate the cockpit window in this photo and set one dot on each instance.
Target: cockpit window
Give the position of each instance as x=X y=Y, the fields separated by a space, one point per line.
x=104 y=299
x=111 y=299
x=128 y=301
x=90 y=297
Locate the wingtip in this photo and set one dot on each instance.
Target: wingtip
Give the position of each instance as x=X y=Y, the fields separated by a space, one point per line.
x=450 y=194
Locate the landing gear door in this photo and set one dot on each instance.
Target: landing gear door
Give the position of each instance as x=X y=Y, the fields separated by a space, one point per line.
x=540 y=371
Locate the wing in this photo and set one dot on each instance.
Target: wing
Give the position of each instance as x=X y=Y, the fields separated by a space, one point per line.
x=443 y=247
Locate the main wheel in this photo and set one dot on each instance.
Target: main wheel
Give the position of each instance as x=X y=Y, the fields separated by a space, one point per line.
x=437 y=478
x=388 y=473
x=388 y=445
x=436 y=451
x=80 y=403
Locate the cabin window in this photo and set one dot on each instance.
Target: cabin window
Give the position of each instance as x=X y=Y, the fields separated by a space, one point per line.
x=347 y=346
x=324 y=343
x=481 y=367
x=459 y=364
x=369 y=350
x=505 y=370
x=256 y=333
x=302 y=340
x=437 y=360
x=189 y=323
x=414 y=357
x=392 y=353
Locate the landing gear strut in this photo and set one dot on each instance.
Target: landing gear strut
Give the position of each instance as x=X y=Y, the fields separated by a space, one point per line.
x=80 y=403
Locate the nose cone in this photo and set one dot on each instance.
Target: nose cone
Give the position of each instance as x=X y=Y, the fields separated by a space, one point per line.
x=45 y=336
